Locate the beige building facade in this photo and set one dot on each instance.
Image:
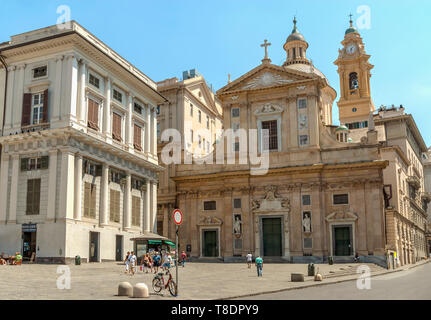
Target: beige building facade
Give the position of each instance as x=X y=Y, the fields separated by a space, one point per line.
x=78 y=169
x=321 y=196
x=196 y=113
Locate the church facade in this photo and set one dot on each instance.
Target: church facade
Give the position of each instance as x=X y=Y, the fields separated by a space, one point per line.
x=322 y=194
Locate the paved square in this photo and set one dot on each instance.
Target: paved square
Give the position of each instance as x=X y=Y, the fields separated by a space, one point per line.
x=197 y=280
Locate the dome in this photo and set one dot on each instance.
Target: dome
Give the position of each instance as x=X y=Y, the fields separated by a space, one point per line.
x=295 y=35
x=341 y=128
x=351 y=30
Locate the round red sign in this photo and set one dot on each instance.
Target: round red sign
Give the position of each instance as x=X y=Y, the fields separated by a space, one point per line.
x=178 y=216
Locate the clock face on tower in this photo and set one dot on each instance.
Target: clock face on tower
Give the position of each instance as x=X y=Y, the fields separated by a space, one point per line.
x=351 y=49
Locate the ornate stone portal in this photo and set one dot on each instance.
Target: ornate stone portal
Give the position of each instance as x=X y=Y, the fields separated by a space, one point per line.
x=271 y=206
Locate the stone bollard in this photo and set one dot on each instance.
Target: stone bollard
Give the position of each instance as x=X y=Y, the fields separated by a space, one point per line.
x=140 y=290
x=297 y=277
x=125 y=289
x=318 y=277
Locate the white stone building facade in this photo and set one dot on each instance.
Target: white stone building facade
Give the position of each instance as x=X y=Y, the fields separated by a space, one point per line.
x=78 y=170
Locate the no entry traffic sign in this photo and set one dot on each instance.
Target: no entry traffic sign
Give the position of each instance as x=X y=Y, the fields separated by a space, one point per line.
x=178 y=216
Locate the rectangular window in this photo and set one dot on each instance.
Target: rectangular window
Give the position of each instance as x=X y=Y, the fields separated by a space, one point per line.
x=37 y=108
x=208 y=122
x=92 y=168
x=137 y=108
x=270 y=138
x=158 y=110
x=237 y=203
x=158 y=129
x=137 y=137
x=191 y=136
x=303 y=140
x=117 y=95
x=137 y=183
x=341 y=198
x=210 y=205
x=308 y=243
x=36 y=163
x=94 y=81
x=306 y=200
x=89 y=200
x=116 y=126
x=115 y=176
x=93 y=114
x=200 y=116
x=114 y=206
x=191 y=110
x=136 y=205
x=40 y=72
x=236 y=146
x=235 y=112
x=33 y=196
x=302 y=103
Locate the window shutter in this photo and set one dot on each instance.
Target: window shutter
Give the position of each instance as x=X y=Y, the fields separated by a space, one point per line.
x=44 y=162
x=93 y=201
x=45 y=107
x=86 y=199
x=116 y=126
x=24 y=164
x=137 y=137
x=26 y=110
x=93 y=114
x=36 y=196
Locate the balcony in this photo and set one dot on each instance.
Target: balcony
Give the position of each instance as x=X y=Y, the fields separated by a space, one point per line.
x=426 y=197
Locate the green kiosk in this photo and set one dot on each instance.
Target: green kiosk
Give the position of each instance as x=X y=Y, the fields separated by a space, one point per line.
x=149 y=242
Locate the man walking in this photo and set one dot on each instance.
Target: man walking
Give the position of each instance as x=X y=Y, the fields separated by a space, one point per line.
x=249 y=259
x=259 y=266
x=132 y=262
x=126 y=262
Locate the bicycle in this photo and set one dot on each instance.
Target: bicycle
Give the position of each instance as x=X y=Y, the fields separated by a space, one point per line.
x=159 y=283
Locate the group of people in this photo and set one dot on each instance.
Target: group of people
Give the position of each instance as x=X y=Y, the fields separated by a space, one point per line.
x=152 y=262
x=14 y=260
x=258 y=262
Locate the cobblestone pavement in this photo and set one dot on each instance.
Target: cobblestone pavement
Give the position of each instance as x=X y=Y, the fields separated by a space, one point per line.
x=92 y=281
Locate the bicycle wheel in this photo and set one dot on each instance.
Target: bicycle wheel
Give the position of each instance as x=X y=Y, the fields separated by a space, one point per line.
x=157 y=285
x=172 y=288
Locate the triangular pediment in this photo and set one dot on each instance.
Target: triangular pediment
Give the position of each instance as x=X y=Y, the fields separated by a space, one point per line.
x=203 y=94
x=264 y=76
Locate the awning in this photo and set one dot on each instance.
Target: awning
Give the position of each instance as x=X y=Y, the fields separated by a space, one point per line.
x=170 y=243
x=154 y=241
x=150 y=236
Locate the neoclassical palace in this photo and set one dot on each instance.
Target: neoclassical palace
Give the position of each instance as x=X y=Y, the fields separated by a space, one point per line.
x=323 y=193
x=78 y=173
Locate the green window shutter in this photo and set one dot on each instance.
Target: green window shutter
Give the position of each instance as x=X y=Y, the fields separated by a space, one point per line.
x=44 y=162
x=24 y=164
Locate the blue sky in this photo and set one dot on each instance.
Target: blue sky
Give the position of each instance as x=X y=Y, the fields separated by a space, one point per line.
x=165 y=37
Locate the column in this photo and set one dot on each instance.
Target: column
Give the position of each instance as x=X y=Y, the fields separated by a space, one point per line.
x=56 y=104
x=82 y=85
x=127 y=213
x=154 y=132
x=71 y=88
x=107 y=109
x=77 y=215
x=166 y=221
x=129 y=122
x=154 y=206
x=14 y=189
x=4 y=173
x=52 y=184
x=67 y=185
x=147 y=130
x=147 y=203
x=10 y=94
x=18 y=93
x=104 y=184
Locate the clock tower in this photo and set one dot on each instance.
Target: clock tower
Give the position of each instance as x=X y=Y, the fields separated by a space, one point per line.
x=355 y=102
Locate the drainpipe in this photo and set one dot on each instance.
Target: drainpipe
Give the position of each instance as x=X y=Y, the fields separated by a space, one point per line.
x=5 y=90
x=4 y=106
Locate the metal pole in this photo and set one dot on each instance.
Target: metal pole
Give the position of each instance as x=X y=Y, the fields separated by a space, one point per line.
x=176 y=257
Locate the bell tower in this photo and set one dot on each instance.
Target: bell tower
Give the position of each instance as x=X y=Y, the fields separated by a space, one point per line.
x=355 y=102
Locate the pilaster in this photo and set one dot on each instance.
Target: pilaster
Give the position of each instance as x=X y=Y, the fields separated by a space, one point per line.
x=52 y=185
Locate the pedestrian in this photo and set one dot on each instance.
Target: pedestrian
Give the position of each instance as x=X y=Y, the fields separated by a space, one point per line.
x=183 y=258
x=356 y=259
x=156 y=262
x=259 y=266
x=126 y=261
x=249 y=259
x=132 y=262
x=146 y=263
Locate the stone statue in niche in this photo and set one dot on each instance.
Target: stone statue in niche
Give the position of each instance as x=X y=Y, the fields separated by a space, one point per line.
x=302 y=121
x=237 y=228
x=306 y=222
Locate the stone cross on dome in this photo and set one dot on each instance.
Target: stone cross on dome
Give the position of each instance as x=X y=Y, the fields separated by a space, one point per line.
x=266 y=44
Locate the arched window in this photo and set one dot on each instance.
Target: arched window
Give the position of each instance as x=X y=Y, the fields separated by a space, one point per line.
x=353 y=81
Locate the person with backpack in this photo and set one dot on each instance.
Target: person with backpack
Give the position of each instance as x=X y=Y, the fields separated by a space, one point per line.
x=259 y=266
